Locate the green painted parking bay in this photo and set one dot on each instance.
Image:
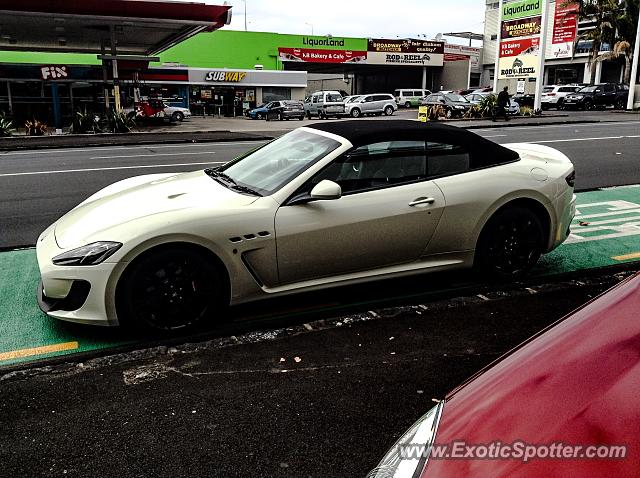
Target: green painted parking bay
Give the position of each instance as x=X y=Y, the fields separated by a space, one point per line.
x=606 y=231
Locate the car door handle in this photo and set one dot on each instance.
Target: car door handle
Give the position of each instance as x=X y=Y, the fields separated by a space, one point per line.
x=418 y=201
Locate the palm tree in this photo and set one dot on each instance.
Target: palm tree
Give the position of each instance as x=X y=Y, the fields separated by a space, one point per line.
x=616 y=22
x=603 y=13
x=626 y=24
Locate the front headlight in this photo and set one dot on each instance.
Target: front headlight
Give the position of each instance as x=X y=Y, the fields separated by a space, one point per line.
x=88 y=255
x=411 y=452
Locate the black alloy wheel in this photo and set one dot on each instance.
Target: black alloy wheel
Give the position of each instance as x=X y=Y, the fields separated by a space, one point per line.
x=620 y=104
x=511 y=244
x=355 y=112
x=259 y=116
x=178 y=116
x=407 y=104
x=170 y=290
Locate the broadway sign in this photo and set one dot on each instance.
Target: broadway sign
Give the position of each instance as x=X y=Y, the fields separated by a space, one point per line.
x=521 y=28
x=321 y=56
x=405 y=52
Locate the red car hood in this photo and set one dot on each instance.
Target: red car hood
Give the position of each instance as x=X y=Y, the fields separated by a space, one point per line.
x=578 y=382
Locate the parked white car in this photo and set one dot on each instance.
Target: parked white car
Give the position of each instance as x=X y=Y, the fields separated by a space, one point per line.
x=332 y=204
x=410 y=97
x=324 y=104
x=176 y=113
x=375 y=104
x=553 y=96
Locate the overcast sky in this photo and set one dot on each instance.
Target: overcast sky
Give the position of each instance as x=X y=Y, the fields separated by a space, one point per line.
x=360 y=18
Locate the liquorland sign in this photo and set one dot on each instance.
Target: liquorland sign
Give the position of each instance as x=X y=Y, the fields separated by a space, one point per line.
x=521 y=9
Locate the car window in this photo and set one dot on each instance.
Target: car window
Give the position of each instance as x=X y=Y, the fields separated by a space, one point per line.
x=547 y=89
x=272 y=166
x=375 y=166
x=432 y=98
x=446 y=159
x=333 y=98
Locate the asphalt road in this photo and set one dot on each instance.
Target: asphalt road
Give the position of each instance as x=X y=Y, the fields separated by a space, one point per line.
x=324 y=403
x=37 y=187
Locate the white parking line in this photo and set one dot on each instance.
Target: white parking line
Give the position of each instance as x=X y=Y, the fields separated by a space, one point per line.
x=603 y=124
x=569 y=140
x=141 y=166
x=115 y=148
x=153 y=155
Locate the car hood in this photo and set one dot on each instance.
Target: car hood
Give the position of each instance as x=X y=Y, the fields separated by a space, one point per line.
x=572 y=383
x=143 y=196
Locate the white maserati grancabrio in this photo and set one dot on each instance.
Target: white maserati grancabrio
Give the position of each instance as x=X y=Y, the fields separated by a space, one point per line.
x=328 y=204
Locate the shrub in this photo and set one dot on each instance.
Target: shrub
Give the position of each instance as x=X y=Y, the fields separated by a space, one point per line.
x=435 y=112
x=35 y=128
x=486 y=106
x=526 y=111
x=118 y=122
x=85 y=122
x=6 y=126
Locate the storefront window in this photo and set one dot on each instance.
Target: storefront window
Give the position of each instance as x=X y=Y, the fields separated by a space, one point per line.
x=275 y=93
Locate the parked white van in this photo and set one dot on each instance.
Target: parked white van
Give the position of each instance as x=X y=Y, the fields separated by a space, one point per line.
x=409 y=97
x=324 y=104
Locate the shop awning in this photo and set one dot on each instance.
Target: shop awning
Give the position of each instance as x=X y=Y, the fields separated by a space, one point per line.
x=140 y=27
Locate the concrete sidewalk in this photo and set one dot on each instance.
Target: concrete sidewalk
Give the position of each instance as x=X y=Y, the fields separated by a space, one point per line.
x=211 y=128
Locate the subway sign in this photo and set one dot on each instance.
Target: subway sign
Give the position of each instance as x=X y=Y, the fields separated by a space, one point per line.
x=225 y=76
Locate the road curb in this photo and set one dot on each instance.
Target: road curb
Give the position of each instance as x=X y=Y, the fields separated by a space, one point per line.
x=127 y=139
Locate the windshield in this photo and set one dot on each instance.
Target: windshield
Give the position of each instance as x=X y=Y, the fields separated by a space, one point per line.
x=267 y=169
x=547 y=89
x=455 y=97
x=353 y=98
x=587 y=89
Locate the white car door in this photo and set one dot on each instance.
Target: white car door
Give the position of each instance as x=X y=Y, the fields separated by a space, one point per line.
x=386 y=216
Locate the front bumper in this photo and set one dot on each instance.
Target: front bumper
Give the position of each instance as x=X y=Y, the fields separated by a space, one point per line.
x=74 y=293
x=566 y=205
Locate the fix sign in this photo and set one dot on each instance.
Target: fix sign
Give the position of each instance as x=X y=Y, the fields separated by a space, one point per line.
x=54 y=72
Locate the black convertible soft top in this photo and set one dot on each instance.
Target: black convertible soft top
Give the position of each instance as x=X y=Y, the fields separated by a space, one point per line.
x=362 y=132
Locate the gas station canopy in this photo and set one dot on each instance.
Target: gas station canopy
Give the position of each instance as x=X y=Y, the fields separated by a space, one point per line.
x=138 y=27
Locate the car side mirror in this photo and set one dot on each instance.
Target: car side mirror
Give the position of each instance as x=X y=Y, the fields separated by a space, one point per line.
x=326 y=190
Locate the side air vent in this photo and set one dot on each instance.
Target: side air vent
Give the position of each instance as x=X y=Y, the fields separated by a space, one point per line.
x=249 y=237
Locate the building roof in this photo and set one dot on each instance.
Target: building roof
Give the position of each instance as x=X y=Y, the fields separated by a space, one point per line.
x=140 y=27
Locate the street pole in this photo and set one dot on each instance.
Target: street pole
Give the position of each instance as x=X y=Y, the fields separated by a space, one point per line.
x=496 y=67
x=634 y=69
x=245 y=15
x=537 y=104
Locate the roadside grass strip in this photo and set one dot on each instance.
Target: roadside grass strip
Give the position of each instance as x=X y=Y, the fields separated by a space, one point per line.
x=25 y=332
x=606 y=231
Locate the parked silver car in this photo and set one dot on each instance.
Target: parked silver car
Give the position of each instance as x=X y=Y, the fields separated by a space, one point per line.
x=375 y=104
